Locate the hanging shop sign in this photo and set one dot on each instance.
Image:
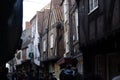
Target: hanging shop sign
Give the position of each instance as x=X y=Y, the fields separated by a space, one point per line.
x=31 y=55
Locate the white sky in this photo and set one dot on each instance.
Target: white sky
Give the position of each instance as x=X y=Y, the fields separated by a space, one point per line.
x=30 y=7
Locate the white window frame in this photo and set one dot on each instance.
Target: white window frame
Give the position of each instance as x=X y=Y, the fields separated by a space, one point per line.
x=66 y=10
x=66 y=42
x=73 y=37
x=44 y=45
x=51 y=41
x=76 y=23
x=93 y=4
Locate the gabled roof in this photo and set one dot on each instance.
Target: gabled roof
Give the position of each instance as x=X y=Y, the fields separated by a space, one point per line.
x=46 y=7
x=57 y=10
x=26 y=37
x=25 y=44
x=46 y=16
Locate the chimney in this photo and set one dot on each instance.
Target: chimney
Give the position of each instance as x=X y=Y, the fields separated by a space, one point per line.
x=28 y=25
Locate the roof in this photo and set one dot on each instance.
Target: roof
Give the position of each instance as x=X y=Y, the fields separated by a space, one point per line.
x=57 y=11
x=25 y=45
x=31 y=21
x=26 y=37
x=46 y=7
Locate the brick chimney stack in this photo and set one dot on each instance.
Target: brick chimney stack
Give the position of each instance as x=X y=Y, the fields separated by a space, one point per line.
x=28 y=25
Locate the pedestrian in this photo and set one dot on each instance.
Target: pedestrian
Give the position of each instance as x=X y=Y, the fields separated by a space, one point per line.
x=76 y=74
x=117 y=77
x=19 y=75
x=51 y=77
x=31 y=75
x=67 y=73
x=14 y=75
x=3 y=74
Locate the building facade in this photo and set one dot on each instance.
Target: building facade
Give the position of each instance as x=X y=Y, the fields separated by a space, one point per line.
x=76 y=51
x=98 y=36
x=35 y=38
x=52 y=38
x=71 y=36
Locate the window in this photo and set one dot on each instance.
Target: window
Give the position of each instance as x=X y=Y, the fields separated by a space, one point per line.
x=76 y=22
x=66 y=11
x=66 y=41
x=51 y=41
x=73 y=37
x=44 y=45
x=93 y=4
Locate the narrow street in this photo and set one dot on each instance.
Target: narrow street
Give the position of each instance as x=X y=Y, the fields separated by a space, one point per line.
x=63 y=40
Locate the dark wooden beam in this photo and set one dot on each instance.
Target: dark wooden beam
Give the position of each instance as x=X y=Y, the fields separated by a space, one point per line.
x=96 y=31
x=110 y=13
x=84 y=21
x=119 y=11
x=104 y=13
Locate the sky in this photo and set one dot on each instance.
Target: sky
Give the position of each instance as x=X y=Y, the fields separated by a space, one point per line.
x=30 y=7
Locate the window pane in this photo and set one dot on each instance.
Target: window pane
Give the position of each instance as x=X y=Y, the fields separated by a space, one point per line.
x=66 y=36
x=76 y=22
x=67 y=46
x=44 y=45
x=91 y=5
x=51 y=41
x=95 y=3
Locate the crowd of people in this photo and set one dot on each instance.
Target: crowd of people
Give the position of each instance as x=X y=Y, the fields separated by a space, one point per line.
x=68 y=72
x=29 y=75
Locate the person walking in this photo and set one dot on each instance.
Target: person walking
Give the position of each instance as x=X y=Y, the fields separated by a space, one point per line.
x=51 y=77
x=67 y=73
x=117 y=77
x=76 y=74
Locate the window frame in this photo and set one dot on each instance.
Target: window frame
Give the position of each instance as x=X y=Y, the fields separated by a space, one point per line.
x=93 y=6
x=51 y=40
x=76 y=24
x=44 y=45
x=66 y=42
